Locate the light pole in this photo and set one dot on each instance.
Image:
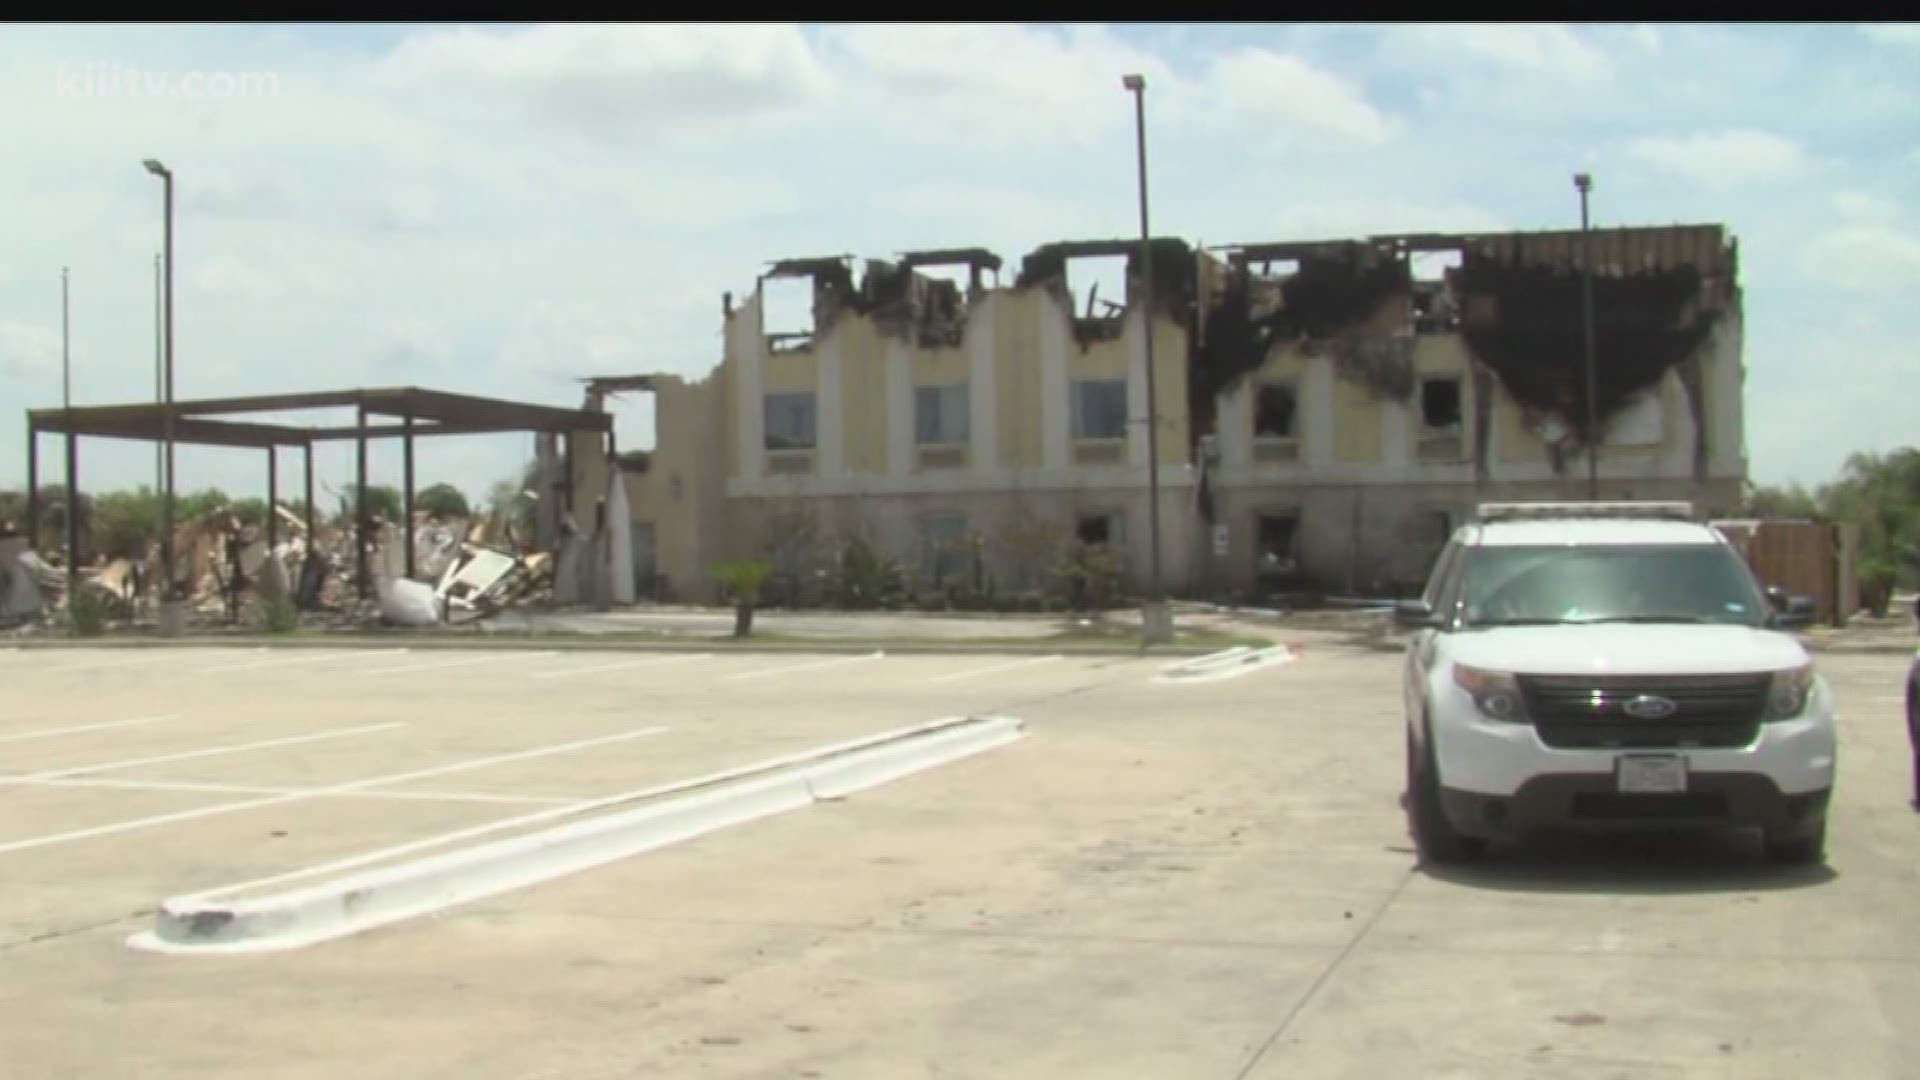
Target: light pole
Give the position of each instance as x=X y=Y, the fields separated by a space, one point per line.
x=166 y=412
x=73 y=466
x=1154 y=624
x=159 y=325
x=66 y=367
x=1584 y=182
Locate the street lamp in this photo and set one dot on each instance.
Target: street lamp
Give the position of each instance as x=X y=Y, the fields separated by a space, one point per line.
x=166 y=414
x=1154 y=624
x=1584 y=182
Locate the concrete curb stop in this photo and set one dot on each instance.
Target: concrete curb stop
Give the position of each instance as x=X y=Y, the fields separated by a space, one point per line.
x=228 y=920
x=1227 y=664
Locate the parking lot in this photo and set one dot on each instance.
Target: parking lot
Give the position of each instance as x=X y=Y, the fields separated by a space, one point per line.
x=1200 y=880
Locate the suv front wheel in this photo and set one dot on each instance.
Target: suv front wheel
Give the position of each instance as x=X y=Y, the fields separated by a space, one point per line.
x=1438 y=841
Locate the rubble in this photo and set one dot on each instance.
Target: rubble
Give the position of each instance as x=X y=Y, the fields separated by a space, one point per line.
x=462 y=572
x=29 y=580
x=405 y=602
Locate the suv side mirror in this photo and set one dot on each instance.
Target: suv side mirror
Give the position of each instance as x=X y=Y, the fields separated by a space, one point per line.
x=1790 y=612
x=1414 y=614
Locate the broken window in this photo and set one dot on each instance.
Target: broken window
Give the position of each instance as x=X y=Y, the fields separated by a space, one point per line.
x=787 y=315
x=1440 y=405
x=1435 y=306
x=1101 y=530
x=1100 y=408
x=1099 y=284
x=789 y=421
x=940 y=415
x=1274 y=537
x=1274 y=411
x=944 y=545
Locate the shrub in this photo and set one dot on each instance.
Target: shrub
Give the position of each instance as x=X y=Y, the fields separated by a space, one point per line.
x=89 y=612
x=279 y=615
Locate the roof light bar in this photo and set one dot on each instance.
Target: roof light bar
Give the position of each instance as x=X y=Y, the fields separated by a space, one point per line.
x=1548 y=511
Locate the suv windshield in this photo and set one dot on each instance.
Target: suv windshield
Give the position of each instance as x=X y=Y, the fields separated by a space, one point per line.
x=1678 y=583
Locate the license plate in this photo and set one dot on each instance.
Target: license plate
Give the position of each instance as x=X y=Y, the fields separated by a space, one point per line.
x=1651 y=773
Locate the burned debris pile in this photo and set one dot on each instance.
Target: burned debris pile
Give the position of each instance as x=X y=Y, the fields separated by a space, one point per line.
x=228 y=573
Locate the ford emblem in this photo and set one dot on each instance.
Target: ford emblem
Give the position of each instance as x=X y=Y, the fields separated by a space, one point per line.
x=1649 y=707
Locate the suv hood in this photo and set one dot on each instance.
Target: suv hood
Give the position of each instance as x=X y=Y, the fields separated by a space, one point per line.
x=1627 y=648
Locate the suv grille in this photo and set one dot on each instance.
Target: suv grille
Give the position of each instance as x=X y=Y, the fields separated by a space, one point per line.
x=1588 y=712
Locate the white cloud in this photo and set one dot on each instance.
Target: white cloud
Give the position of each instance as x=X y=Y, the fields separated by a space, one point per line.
x=1258 y=89
x=1893 y=33
x=1866 y=259
x=971 y=214
x=1534 y=48
x=28 y=353
x=993 y=85
x=1864 y=207
x=1723 y=160
x=1343 y=218
x=679 y=78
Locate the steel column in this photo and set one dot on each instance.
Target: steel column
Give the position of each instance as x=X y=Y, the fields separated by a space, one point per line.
x=273 y=497
x=309 y=511
x=360 y=505
x=33 y=486
x=406 y=498
x=73 y=517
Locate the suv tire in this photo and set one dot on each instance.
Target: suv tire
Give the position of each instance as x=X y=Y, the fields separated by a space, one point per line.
x=1439 y=843
x=1800 y=848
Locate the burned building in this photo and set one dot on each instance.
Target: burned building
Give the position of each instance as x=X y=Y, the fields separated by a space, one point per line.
x=1327 y=411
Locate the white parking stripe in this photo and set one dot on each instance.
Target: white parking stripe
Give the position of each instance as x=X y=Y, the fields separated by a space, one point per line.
x=213 y=751
x=464 y=661
x=257 y=789
x=308 y=658
x=621 y=666
x=739 y=772
x=1030 y=661
x=816 y=665
x=78 y=728
x=333 y=789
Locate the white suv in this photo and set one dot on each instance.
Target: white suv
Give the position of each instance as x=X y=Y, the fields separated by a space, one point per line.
x=1609 y=665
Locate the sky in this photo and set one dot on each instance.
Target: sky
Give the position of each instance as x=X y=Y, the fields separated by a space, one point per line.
x=504 y=209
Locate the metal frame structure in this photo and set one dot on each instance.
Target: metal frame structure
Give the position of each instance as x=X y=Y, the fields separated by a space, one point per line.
x=199 y=422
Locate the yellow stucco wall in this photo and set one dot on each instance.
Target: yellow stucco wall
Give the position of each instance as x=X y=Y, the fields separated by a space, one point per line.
x=1170 y=387
x=941 y=367
x=1516 y=443
x=1357 y=428
x=789 y=371
x=1099 y=360
x=863 y=394
x=729 y=423
x=1016 y=351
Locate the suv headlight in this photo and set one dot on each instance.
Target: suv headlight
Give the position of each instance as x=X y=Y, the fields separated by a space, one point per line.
x=1787 y=693
x=1495 y=693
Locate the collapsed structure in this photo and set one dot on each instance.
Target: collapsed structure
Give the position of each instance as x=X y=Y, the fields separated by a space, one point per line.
x=1327 y=411
x=417 y=570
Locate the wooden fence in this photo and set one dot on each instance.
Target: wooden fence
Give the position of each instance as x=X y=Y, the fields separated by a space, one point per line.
x=1806 y=558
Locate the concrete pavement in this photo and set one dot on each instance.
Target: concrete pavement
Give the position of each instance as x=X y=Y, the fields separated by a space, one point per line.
x=1207 y=880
